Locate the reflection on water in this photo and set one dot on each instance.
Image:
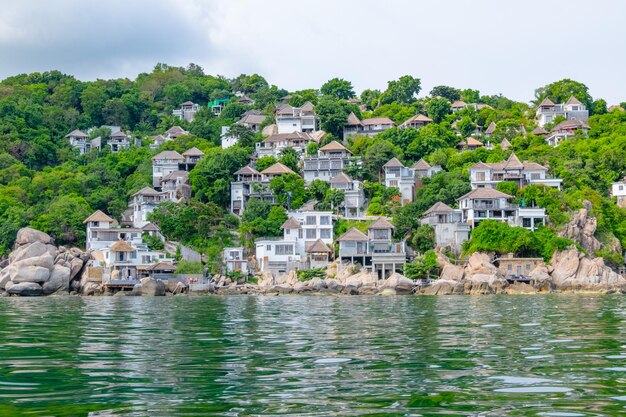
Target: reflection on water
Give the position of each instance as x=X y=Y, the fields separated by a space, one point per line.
x=314 y=356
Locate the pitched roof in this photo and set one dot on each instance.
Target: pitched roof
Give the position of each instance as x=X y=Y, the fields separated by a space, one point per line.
x=377 y=121
x=147 y=191
x=513 y=162
x=98 y=216
x=353 y=120
x=539 y=131
x=121 y=246
x=459 y=103
x=175 y=174
x=485 y=193
x=573 y=100
x=277 y=169
x=291 y=223
x=76 y=133
x=281 y=137
x=546 y=102
x=341 y=178
x=252 y=119
x=150 y=227
x=308 y=106
x=491 y=128
x=417 y=118
x=193 y=152
x=570 y=125
x=381 y=223
x=353 y=234
x=480 y=165
x=284 y=109
x=158 y=138
x=473 y=142
x=247 y=170
x=333 y=146
x=119 y=134
x=505 y=144
x=421 y=165
x=393 y=163
x=438 y=207
x=533 y=166
x=172 y=155
x=162 y=266
x=318 y=247
x=176 y=130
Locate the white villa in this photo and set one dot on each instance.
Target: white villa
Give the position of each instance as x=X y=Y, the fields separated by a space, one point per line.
x=402 y=178
x=118 y=141
x=573 y=109
x=366 y=127
x=251 y=119
x=330 y=160
x=251 y=183
x=274 y=144
x=565 y=130
x=142 y=203
x=78 y=140
x=306 y=244
x=296 y=119
x=618 y=191
x=449 y=230
x=424 y=170
x=376 y=252
x=187 y=111
x=488 y=175
x=234 y=260
x=354 y=196
x=490 y=204
x=164 y=164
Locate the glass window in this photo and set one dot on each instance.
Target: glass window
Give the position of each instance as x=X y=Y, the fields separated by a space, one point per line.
x=325 y=220
x=526 y=222
x=311 y=233
x=325 y=234
x=509 y=267
x=310 y=220
x=268 y=247
x=284 y=249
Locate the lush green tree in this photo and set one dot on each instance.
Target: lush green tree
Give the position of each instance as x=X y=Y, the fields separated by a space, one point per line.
x=339 y=88
x=599 y=107
x=249 y=83
x=466 y=126
x=423 y=238
x=217 y=164
x=508 y=187
x=423 y=267
x=378 y=155
x=470 y=96
x=403 y=90
x=333 y=115
x=64 y=220
x=449 y=93
x=289 y=190
x=438 y=108
x=561 y=91
x=290 y=158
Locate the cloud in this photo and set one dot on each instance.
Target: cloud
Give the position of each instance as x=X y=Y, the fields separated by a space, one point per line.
x=494 y=46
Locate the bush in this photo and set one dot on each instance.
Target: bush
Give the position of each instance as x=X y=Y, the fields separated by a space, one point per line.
x=189 y=267
x=309 y=274
x=423 y=267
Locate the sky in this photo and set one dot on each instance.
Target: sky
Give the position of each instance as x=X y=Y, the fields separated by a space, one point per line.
x=498 y=47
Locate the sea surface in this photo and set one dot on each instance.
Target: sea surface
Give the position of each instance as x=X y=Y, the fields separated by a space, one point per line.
x=546 y=355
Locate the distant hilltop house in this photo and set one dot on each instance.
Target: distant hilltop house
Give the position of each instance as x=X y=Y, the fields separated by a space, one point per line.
x=489 y=175
x=566 y=129
x=490 y=204
x=375 y=251
x=354 y=196
x=416 y=122
x=406 y=179
x=291 y=119
x=168 y=162
x=78 y=140
x=459 y=105
x=171 y=134
x=187 y=111
x=469 y=144
x=366 y=127
x=117 y=142
x=306 y=243
x=331 y=159
x=250 y=183
x=573 y=109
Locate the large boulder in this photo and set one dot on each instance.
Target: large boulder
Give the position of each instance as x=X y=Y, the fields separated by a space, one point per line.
x=451 y=272
x=4 y=278
x=518 y=288
x=25 y=289
x=27 y=235
x=151 y=287
x=399 y=283
x=479 y=263
x=59 y=281
x=32 y=250
x=565 y=264
x=45 y=261
x=582 y=228
x=29 y=273
x=444 y=287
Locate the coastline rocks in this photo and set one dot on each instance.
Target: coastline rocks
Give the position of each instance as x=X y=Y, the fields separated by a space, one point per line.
x=444 y=287
x=36 y=266
x=399 y=283
x=151 y=287
x=575 y=271
x=582 y=228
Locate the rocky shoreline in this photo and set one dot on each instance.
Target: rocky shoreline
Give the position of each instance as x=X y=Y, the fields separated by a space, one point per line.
x=37 y=267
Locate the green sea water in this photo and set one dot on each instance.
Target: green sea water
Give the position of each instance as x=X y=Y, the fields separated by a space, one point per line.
x=548 y=355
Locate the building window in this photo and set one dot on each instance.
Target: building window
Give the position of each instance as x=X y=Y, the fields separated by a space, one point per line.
x=535 y=176
x=325 y=234
x=133 y=255
x=509 y=267
x=284 y=249
x=310 y=220
x=621 y=187
x=268 y=247
x=526 y=222
x=325 y=220
x=480 y=176
x=311 y=233
x=528 y=267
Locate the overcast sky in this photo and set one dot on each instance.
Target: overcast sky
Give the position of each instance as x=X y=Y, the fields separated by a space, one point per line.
x=496 y=46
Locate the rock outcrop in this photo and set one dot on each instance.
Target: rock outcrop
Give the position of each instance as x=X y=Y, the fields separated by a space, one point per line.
x=573 y=270
x=582 y=228
x=37 y=267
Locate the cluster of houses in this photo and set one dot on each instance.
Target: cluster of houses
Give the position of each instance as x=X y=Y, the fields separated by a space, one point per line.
x=118 y=141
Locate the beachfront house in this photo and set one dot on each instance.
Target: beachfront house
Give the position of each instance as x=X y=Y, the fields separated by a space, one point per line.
x=375 y=252
x=234 y=260
x=573 y=109
x=512 y=267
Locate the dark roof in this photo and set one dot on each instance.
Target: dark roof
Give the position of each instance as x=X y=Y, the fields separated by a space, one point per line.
x=421 y=165
x=393 y=163
x=353 y=234
x=381 y=223
x=319 y=247
x=291 y=223
x=76 y=133
x=341 y=178
x=485 y=193
x=247 y=170
x=172 y=155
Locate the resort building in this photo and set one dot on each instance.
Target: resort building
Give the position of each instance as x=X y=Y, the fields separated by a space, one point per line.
x=573 y=109
x=400 y=177
x=164 y=164
x=512 y=267
x=490 y=204
x=175 y=186
x=470 y=144
x=490 y=130
x=566 y=129
x=234 y=260
x=296 y=119
x=618 y=191
x=375 y=252
x=175 y=132
x=251 y=183
x=187 y=111
x=118 y=141
x=489 y=175
x=450 y=232
x=354 y=204
x=423 y=169
x=366 y=127
x=306 y=244
x=416 y=122
x=79 y=140
x=142 y=203
x=330 y=160
x=458 y=106
x=192 y=157
x=274 y=145
x=251 y=119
